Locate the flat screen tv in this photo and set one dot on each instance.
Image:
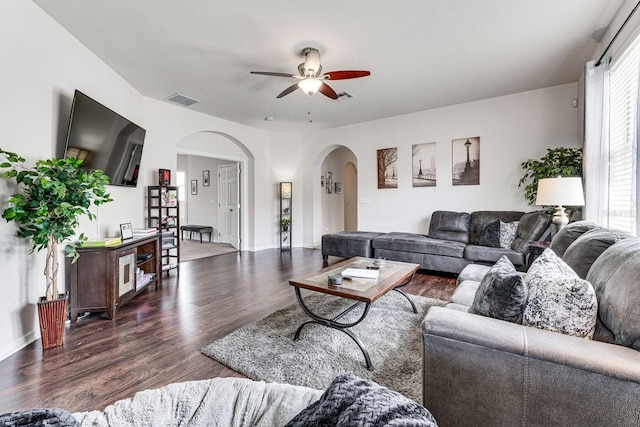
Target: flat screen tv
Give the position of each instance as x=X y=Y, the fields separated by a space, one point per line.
x=104 y=140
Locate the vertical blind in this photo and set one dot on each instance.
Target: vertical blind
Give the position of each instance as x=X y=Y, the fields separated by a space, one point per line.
x=623 y=117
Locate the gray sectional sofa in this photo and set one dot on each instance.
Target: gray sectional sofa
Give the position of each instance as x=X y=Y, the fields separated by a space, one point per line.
x=455 y=240
x=481 y=371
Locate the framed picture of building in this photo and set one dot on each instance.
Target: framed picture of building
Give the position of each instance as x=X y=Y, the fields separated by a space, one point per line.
x=388 y=167
x=465 y=158
x=423 y=164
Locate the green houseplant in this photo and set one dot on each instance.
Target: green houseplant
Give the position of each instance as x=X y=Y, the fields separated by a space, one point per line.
x=557 y=162
x=54 y=194
x=285 y=223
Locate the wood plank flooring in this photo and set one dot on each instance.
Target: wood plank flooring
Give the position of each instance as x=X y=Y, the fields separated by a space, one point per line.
x=156 y=338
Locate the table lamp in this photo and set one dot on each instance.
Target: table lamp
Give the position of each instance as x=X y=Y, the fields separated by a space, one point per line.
x=557 y=192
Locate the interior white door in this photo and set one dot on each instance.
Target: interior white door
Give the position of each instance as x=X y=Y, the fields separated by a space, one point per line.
x=228 y=205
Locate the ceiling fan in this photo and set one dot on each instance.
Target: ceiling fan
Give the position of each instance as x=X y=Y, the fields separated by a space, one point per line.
x=311 y=77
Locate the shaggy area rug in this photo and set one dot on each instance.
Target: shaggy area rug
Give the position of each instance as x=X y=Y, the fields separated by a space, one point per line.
x=265 y=350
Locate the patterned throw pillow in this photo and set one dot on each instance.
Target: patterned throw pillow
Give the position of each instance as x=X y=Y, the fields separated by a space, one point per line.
x=490 y=235
x=508 y=233
x=353 y=401
x=559 y=300
x=502 y=293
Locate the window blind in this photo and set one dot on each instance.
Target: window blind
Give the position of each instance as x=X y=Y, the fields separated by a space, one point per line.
x=623 y=117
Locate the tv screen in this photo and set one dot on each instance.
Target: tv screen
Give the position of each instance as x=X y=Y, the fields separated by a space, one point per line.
x=104 y=140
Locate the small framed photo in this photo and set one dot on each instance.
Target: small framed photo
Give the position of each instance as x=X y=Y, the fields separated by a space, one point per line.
x=338 y=188
x=206 y=178
x=194 y=186
x=126 y=232
x=321 y=181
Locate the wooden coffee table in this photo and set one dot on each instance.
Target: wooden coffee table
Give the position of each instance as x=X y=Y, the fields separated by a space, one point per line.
x=393 y=276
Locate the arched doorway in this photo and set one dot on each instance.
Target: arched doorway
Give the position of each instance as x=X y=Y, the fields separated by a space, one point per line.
x=338 y=200
x=350 y=196
x=220 y=149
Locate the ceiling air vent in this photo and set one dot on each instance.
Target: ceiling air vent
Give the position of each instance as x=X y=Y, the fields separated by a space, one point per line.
x=344 y=96
x=182 y=100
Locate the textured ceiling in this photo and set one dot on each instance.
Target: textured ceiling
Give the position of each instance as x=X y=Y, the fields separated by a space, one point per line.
x=422 y=54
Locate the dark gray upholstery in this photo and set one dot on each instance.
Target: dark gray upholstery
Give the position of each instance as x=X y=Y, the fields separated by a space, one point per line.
x=582 y=253
x=409 y=242
x=487 y=255
x=447 y=225
x=568 y=234
x=348 y=244
x=480 y=219
x=446 y=247
x=615 y=276
x=482 y=371
x=530 y=227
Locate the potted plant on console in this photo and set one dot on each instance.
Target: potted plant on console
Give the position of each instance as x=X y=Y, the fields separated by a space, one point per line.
x=54 y=194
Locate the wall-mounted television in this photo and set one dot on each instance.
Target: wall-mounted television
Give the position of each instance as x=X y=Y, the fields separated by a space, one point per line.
x=104 y=140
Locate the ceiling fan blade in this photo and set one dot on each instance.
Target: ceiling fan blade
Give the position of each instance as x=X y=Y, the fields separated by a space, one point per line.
x=288 y=90
x=269 y=73
x=346 y=74
x=327 y=91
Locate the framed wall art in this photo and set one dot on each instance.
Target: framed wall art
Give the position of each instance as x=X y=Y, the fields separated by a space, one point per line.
x=388 y=167
x=194 y=186
x=465 y=157
x=206 y=178
x=423 y=164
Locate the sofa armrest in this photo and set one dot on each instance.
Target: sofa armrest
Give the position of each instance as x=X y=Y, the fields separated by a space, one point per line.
x=483 y=371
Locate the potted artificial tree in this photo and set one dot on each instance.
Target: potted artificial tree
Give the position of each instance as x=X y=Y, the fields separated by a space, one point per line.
x=557 y=162
x=54 y=194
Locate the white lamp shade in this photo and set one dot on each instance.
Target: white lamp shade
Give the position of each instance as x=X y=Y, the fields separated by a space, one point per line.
x=559 y=191
x=309 y=85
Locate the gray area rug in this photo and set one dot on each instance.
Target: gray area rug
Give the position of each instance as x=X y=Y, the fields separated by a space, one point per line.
x=265 y=350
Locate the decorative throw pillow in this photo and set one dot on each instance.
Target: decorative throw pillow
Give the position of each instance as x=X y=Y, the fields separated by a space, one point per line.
x=559 y=300
x=508 y=233
x=353 y=401
x=502 y=293
x=490 y=236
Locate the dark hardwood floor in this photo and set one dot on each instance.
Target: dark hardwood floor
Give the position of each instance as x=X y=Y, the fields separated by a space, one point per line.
x=156 y=338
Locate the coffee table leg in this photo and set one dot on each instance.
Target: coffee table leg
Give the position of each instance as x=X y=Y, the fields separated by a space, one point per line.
x=397 y=289
x=331 y=323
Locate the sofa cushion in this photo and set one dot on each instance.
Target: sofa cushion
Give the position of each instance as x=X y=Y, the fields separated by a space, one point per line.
x=465 y=293
x=508 y=233
x=480 y=220
x=559 y=300
x=490 y=235
x=581 y=254
x=491 y=255
x=353 y=401
x=614 y=276
x=447 y=225
x=531 y=226
x=502 y=293
x=410 y=242
x=568 y=234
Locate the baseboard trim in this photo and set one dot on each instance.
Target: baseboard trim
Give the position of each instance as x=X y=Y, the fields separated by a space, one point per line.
x=17 y=345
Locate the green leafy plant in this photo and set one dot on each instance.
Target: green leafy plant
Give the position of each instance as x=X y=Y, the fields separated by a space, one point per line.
x=54 y=194
x=557 y=162
x=285 y=223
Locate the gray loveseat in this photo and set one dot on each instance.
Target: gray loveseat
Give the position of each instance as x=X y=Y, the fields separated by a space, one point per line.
x=455 y=240
x=484 y=371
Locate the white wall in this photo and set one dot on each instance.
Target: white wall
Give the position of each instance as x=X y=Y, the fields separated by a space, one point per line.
x=511 y=128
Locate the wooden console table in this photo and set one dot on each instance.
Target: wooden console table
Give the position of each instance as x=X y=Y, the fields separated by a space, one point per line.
x=105 y=277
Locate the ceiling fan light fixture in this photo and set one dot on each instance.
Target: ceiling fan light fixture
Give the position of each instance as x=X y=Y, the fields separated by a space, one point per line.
x=310 y=85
